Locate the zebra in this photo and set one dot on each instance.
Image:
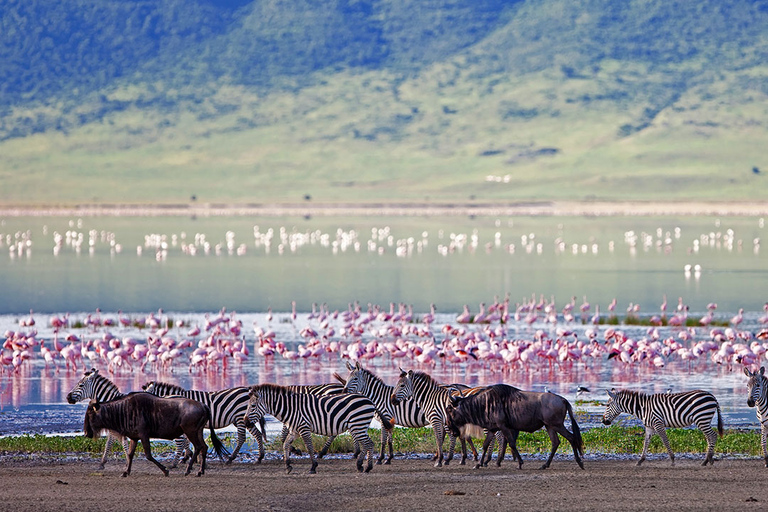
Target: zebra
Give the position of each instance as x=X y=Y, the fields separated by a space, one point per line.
x=95 y=386
x=662 y=410
x=227 y=406
x=305 y=414
x=758 y=396
x=432 y=398
x=406 y=413
x=325 y=389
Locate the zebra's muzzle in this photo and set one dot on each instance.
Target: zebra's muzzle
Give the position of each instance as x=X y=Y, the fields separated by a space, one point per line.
x=248 y=423
x=750 y=402
x=70 y=399
x=606 y=422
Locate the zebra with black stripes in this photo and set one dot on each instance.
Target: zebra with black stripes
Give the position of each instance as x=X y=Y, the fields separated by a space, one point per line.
x=662 y=410
x=305 y=414
x=325 y=389
x=757 y=387
x=227 y=406
x=432 y=398
x=405 y=413
x=95 y=386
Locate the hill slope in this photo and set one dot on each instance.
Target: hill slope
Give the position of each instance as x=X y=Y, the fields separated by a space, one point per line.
x=382 y=100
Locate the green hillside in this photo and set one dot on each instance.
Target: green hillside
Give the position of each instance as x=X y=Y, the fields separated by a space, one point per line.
x=137 y=101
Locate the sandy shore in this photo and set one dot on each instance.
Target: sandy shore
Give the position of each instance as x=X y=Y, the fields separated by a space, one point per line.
x=62 y=484
x=636 y=208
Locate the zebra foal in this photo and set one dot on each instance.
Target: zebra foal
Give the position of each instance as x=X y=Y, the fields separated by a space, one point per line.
x=757 y=387
x=306 y=414
x=659 y=411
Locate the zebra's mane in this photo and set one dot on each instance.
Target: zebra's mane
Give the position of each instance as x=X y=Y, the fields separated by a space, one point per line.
x=97 y=377
x=275 y=389
x=627 y=393
x=419 y=376
x=369 y=375
x=171 y=388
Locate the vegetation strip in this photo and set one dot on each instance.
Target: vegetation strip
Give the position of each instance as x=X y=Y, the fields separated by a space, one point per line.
x=610 y=440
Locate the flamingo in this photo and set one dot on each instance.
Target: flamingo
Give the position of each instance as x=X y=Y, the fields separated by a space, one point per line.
x=738 y=318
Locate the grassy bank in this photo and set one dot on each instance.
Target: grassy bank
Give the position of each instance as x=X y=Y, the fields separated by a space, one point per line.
x=610 y=440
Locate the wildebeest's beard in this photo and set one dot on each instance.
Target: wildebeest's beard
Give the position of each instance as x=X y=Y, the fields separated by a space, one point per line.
x=87 y=428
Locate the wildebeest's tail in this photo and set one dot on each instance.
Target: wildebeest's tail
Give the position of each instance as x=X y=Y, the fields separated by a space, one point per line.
x=579 y=442
x=218 y=446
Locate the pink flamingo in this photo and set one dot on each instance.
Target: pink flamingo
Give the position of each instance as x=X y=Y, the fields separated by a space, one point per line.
x=738 y=318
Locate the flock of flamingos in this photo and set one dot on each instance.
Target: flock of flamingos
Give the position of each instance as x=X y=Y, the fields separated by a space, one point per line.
x=501 y=336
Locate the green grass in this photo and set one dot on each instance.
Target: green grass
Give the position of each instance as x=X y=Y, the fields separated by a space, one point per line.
x=615 y=439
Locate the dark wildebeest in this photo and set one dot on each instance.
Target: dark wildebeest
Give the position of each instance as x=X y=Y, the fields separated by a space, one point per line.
x=141 y=416
x=507 y=409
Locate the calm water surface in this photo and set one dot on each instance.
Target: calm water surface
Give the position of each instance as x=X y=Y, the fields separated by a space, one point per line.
x=190 y=268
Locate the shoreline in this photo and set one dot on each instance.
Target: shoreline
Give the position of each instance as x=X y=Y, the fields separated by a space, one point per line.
x=530 y=209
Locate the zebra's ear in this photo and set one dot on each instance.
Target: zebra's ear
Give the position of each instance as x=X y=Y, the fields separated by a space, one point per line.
x=611 y=393
x=747 y=372
x=762 y=370
x=357 y=365
x=402 y=372
x=349 y=366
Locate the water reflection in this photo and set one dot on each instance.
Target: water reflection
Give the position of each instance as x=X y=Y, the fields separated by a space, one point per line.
x=182 y=264
x=32 y=396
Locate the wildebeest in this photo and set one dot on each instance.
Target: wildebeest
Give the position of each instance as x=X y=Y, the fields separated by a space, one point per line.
x=141 y=416
x=507 y=409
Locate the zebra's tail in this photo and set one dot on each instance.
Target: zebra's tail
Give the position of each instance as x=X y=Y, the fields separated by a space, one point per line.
x=218 y=446
x=578 y=440
x=719 y=422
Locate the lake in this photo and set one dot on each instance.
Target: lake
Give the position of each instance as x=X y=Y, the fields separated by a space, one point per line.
x=188 y=269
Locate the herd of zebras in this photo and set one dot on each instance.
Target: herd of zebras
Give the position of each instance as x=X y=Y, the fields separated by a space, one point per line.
x=499 y=412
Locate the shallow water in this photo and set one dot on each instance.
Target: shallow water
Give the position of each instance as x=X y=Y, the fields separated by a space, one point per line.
x=187 y=269
x=32 y=400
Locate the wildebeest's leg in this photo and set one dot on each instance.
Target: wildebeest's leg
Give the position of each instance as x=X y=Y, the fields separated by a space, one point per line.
x=131 y=451
x=555 y=444
x=486 y=445
x=648 y=435
x=511 y=436
x=148 y=453
x=560 y=429
x=471 y=447
x=306 y=435
x=201 y=450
